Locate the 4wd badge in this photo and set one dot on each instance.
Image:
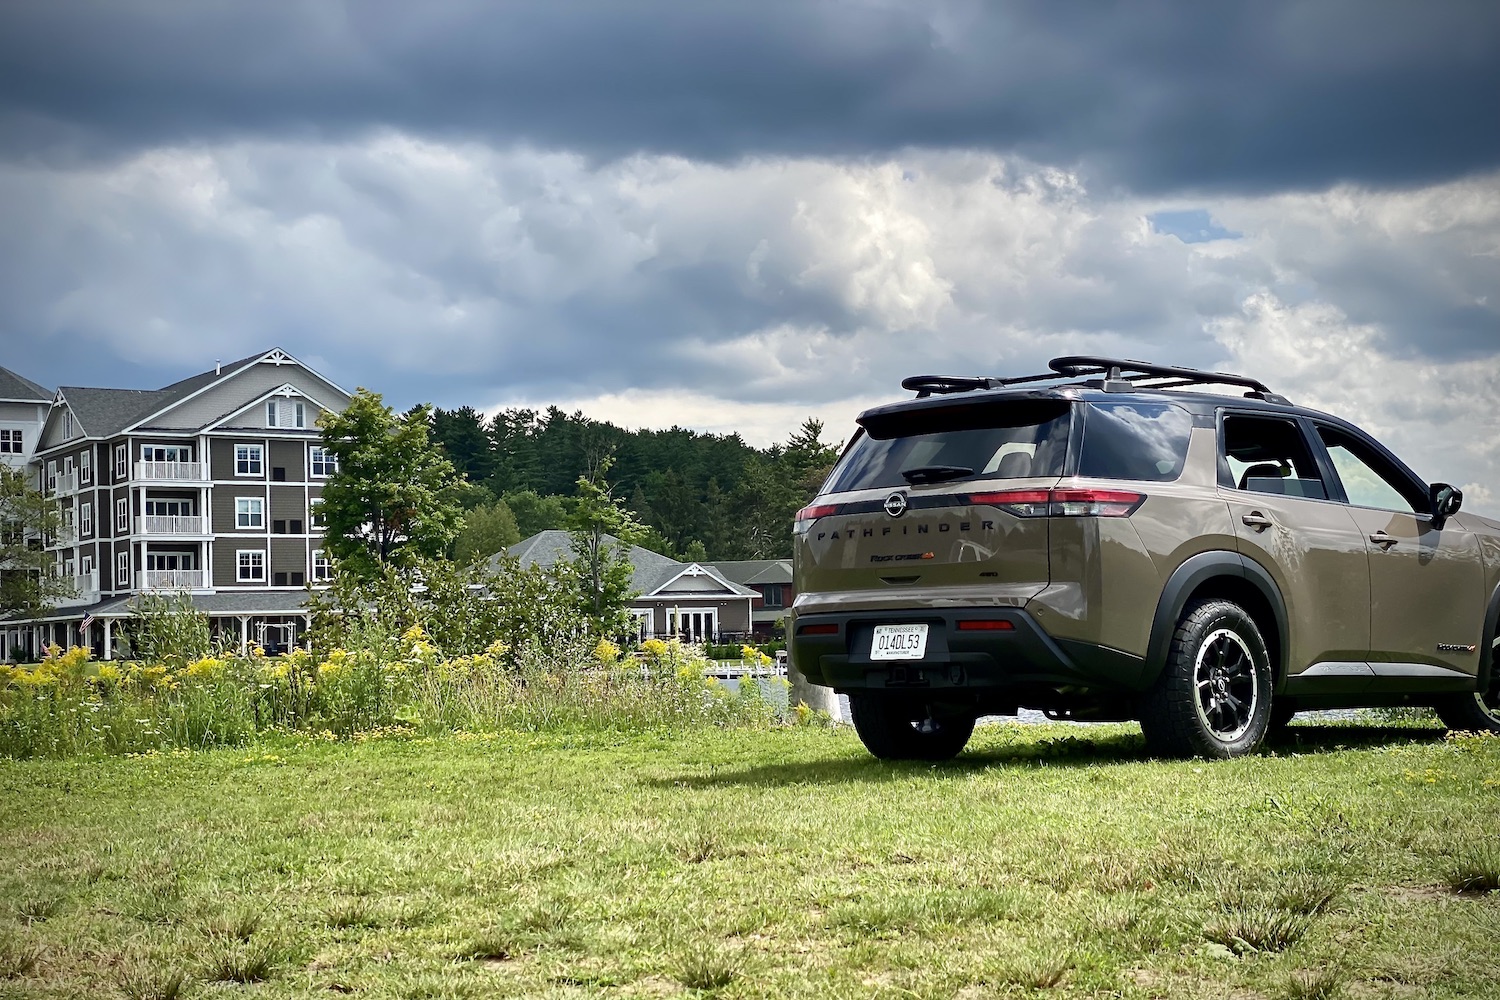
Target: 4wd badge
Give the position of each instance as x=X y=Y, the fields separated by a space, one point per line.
x=895 y=504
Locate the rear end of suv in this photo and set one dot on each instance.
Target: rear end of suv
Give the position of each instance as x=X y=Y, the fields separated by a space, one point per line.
x=1069 y=548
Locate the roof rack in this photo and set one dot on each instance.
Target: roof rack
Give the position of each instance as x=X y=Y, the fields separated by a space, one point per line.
x=1119 y=375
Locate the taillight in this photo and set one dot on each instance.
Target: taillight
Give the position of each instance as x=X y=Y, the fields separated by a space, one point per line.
x=807 y=515
x=1063 y=503
x=819 y=628
x=984 y=625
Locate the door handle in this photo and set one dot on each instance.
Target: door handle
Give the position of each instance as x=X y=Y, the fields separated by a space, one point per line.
x=1383 y=540
x=1255 y=519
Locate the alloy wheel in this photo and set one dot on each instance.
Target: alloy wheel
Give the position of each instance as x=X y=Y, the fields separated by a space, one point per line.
x=1226 y=685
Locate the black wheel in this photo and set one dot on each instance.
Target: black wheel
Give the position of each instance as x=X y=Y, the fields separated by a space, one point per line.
x=1213 y=698
x=895 y=728
x=1473 y=713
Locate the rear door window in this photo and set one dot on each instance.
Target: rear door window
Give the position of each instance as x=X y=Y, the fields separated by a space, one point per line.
x=1021 y=440
x=1137 y=440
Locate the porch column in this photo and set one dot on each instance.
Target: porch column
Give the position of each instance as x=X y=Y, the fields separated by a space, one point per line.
x=244 y=635
x=307 y=632
x=109 y=653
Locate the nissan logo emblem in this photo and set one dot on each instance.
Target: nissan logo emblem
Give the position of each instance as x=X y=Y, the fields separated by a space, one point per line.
x=895 y=504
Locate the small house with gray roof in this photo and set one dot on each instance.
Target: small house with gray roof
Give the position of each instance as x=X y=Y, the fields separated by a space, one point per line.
x=692 y=601
x=771 y=579
x=208 y=487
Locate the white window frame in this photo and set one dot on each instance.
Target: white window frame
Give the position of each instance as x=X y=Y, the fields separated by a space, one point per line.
x=122 y=462
x=12 y=441
x=85 y=565
x=254 y=460
x=122 y=515
x=86 y=466
x=322 y=567
x=315 y=518
x=256 y=561
x=86 y=518
x=68 y=425
x=253 y=514
x=318 y=455
x=51 y=475
x=122 y=569
x=275 y=411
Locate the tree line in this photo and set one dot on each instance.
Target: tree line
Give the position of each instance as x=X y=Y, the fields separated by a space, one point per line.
x=699 y=496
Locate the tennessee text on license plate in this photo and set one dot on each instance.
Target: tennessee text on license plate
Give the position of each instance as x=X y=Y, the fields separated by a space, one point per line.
x=899 y=642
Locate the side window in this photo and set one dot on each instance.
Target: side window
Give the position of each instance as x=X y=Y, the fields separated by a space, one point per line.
x=1270 y=455
x=1140 y=441
x=1369 y=479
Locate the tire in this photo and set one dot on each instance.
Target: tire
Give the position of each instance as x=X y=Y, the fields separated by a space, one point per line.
x=894 y=728
x=1473 y=713
x=1213 y=698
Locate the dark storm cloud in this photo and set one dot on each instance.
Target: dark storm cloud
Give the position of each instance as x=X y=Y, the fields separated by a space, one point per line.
x=1248 y=96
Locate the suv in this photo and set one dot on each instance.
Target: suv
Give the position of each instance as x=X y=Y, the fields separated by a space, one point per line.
x=1106 y=542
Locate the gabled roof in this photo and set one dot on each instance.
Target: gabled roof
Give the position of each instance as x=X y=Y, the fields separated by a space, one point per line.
x=755 y=571
x=20 y=388
x=650 y=571
x=103 y=413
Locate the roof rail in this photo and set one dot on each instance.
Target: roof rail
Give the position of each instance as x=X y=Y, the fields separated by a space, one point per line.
x=1119 y=375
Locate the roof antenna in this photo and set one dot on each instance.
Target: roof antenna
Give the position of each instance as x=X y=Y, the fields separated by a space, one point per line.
x=218 y=368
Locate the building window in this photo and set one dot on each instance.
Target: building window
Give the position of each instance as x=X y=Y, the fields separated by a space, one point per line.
x=51 y=477
x=322 y=569
x=85 y=565
x=249 y=512
x=122 y=569
x=122 y=516
x=324 y=464
x=12 y=442
x=86 y=466
x=68 y=427
x=775 y=595
x=121 y=465
x=251 y=566
x=315 y=513
x=285 y=413
x=86 y=518
x=247 y=460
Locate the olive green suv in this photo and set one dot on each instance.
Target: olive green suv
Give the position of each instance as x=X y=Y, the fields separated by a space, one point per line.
x=1110 y=541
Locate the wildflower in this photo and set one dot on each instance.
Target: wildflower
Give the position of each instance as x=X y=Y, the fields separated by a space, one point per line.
x=606 y=652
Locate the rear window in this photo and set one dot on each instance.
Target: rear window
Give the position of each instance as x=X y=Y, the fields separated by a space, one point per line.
x=1137 y=440
x=951 y=444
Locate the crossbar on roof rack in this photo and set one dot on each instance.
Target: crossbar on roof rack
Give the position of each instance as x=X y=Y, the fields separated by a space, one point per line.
x=1119 y=375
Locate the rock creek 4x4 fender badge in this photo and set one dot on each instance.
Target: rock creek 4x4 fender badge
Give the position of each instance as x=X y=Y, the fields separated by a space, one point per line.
x=1455 y=647
x=895 y=504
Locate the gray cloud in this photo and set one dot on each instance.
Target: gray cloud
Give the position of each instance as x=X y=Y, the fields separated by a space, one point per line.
x=1252 y=95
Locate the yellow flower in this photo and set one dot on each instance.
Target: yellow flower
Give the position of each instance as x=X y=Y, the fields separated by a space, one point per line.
x=206 y=669
x=606 y=652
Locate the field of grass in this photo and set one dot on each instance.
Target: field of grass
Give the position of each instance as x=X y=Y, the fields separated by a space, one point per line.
x=1047 y=860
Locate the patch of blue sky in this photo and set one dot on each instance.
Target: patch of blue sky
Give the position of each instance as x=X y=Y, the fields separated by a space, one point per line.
x=1190 y=225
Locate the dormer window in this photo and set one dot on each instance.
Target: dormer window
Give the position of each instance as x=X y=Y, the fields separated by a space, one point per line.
x=67 y=425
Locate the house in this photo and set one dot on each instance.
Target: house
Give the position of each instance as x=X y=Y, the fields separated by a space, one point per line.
x=23 y=411
x=690 y=600
x=208 y=487
x=771 y=579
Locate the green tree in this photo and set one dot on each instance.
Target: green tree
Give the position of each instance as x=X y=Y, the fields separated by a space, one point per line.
x=487 y=530
x=28 y=581
x=602 y=531
x=465 y=440
x=391 y=499
x=534 y=512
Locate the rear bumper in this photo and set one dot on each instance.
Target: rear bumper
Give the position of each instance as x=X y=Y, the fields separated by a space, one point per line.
x=1022 y=657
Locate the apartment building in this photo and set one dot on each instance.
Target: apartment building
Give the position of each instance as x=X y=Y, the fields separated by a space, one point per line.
x=207 y=487
x=23 y=411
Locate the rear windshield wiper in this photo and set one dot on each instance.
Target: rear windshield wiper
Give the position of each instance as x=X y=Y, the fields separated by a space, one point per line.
x=935 y=473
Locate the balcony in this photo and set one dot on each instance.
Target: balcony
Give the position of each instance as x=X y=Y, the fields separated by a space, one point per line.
x=85 y=591
x=171 y=524
x=65 y=537
x=171 y=472
x=64 y=483
x=172 y=579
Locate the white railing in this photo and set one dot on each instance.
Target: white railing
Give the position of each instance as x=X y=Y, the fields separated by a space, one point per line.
x=85 y=591
x=192 y=472
x=65 y=482
x=171 y=524
x=172 y=579
x=65 y=537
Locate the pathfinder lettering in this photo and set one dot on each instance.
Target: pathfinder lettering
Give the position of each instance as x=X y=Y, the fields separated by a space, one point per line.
x=903 y=529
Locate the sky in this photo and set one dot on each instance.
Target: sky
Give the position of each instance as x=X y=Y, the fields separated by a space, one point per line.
x=731 y=216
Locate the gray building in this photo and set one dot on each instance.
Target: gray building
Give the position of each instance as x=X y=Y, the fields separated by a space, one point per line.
x=208 y=487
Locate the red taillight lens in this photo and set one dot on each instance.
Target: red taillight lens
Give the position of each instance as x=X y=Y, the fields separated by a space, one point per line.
x=807 y=515
x=1063 y=503
x=821 y=628
x=984 y=625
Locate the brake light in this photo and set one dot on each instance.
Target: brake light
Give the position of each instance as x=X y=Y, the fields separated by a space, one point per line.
x=807 y=515
x=1063 y=503
x=985 y=625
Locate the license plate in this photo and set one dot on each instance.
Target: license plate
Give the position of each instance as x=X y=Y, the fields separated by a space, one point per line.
x=899 y=642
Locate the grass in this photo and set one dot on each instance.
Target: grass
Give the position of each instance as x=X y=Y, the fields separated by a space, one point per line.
x=1046 y=860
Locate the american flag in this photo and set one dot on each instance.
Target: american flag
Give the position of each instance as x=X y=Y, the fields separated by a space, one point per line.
x=83 y=626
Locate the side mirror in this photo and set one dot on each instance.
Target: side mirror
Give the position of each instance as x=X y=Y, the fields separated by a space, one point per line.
x=1446 y=500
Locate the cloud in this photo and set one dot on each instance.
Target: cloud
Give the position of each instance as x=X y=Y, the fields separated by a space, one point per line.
x=1243 y=95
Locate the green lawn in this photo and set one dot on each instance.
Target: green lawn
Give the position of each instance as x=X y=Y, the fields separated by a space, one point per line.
x=1046 y=860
